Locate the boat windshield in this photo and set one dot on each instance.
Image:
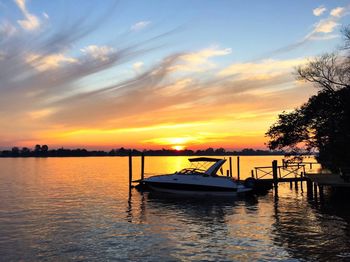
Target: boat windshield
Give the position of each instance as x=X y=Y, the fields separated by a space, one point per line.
x=192 y=171
x=203 y=166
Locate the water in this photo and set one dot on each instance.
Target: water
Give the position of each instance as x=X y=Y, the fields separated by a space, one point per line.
x=77 y=209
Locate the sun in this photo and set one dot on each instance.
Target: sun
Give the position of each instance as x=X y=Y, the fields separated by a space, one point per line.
x=178 y=147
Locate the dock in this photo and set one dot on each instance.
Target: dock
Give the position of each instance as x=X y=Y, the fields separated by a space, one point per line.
x=331 y=180
x=296 y=174
x=269 y=177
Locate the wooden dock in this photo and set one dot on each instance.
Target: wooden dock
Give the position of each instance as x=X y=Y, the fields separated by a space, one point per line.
x=268 y=177
x=331 y=180
x=295 y=174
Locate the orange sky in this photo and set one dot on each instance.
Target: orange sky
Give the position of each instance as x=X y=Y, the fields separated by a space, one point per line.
x=138 y=82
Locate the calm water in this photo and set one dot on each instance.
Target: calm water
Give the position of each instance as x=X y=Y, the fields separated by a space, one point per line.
x=76 y=209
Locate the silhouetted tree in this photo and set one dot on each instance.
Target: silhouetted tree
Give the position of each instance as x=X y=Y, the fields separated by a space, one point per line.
x=15 y=151
x=25 y=151
x=37 y=148
x=323 y=123
x=44 y=148
x=220 y=151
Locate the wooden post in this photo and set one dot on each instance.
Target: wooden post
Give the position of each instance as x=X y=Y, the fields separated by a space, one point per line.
x=315 y=190
x=275 y=176
x=230 y=166
x=301 y=181
x=238 y=171
x=283 y=163
x=130 y=169
x=321 y=192
x=296 y=182
x=252 y=173
x=142 y=166
x=309 y=187
x=227 y=172
x=290 y=184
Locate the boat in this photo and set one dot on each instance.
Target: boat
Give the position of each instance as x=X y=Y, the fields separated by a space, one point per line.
x=200 y=178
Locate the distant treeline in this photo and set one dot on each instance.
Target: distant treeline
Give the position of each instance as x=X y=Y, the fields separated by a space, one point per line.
x=43 y=151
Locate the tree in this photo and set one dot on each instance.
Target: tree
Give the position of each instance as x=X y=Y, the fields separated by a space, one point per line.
x=44 y=149
x=321 y=124
x=15 y=151
x=37 y=148
x=25 y=151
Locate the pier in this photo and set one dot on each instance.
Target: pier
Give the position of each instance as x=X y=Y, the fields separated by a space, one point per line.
x=269 y=177
x=296 y=174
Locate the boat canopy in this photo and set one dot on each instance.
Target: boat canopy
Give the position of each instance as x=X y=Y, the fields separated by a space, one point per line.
x=204 y=159
x=212 y=168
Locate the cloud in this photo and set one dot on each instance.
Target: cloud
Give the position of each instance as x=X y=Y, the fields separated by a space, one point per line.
x=138 y=66
x=42 y=88
x=319 y=10
x=325 y=26
x=200 y=61
x=31 y=22
x=7 y=29
x=98 y=52
x=338 y=12
x=322 y=30
x=264 y=69
x=140 y=25
x=52 y=61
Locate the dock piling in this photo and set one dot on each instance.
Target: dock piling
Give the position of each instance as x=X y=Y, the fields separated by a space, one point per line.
x=130 y=170
x=321 y=192
x=142 y=166
x=275 y=176
x=309 y=187
x=301 y=181
x=315 y=190
x=230 y=158
x=296 y=183
x=238 y=171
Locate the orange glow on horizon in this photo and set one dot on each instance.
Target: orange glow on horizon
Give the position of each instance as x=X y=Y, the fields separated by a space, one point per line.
x=178 y=147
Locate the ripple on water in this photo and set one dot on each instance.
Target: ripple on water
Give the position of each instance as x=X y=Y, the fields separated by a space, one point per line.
x=79 y=209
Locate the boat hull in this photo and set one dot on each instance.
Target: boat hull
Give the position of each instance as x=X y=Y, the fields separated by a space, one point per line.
x=198 y=190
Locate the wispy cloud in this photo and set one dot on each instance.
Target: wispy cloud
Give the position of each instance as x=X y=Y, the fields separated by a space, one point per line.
x=52 y=61
x=319 y=10
x=328 y=24
x=138 y=66
x=41 y=88
x=201 y=60
x=325 y=26
x=46 y=15
x=265 y=69
x=31 y=22
x=322 y=30
x=338 y=12
x=101 y=53
x=140 y=25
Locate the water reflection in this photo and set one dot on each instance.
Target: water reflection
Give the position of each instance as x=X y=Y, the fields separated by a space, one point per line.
x=311 y=230
x=204 y=229
x=79 y=209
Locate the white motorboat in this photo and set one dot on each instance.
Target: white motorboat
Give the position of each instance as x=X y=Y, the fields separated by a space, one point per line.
x=200 y=179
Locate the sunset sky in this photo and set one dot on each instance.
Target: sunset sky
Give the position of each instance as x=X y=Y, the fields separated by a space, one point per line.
x=156 y=74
